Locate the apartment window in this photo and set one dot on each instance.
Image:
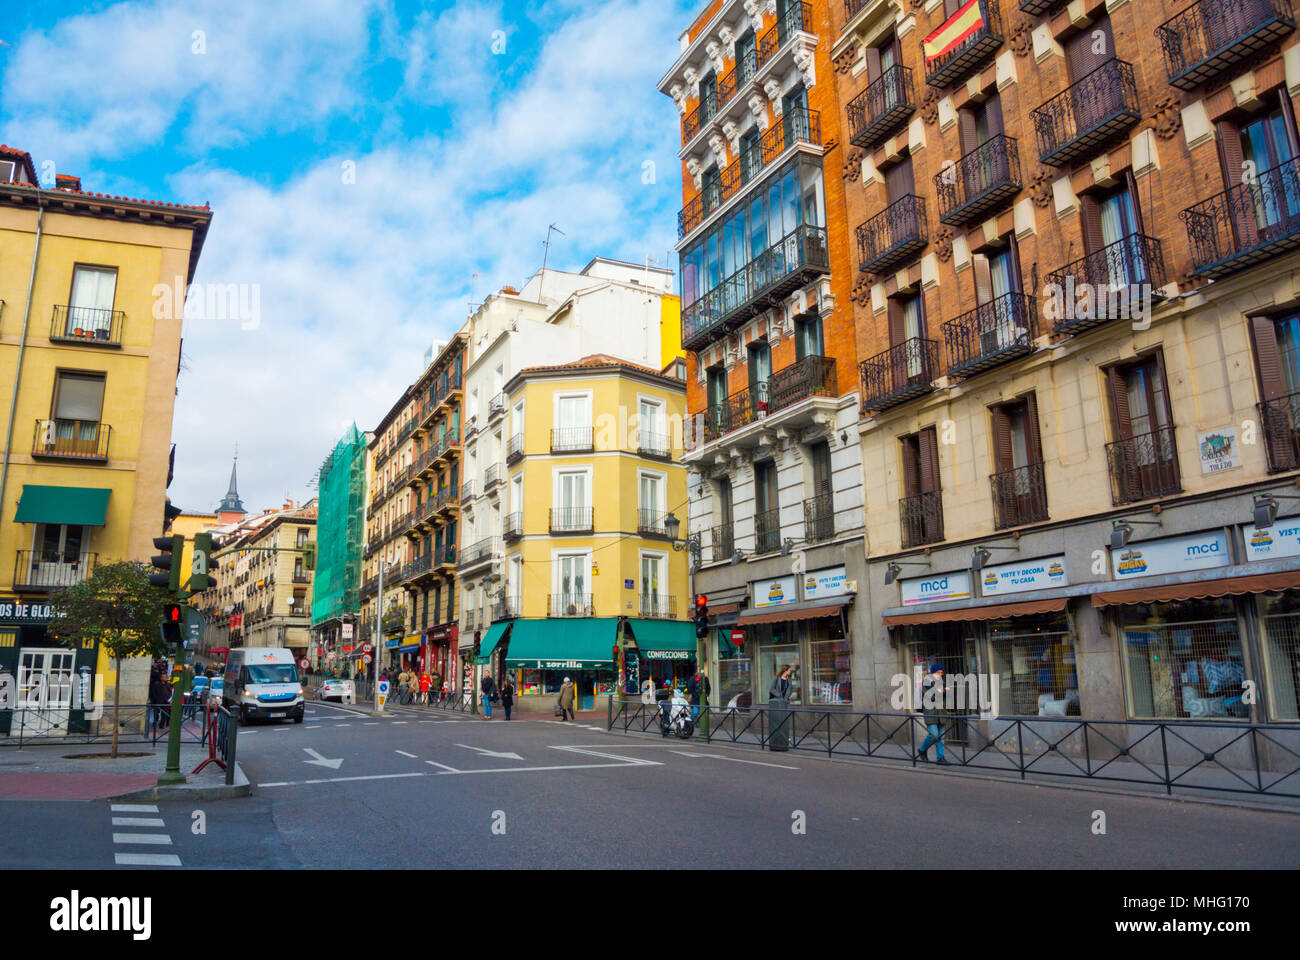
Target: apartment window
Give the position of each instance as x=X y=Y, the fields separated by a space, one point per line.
x=818 y=509
x=1258 y=149
x=767 y=510
x=723 y=534
x=899 y=183
x=572 y=422
x=79 y=397
x=90 y=304
x=60 y=543
x=1142 y=460
x=760 y=372
x=808 y=336
x=1084 y=53
x=1019 y=492
x=921 y=509
x=571 y=596
x=652 y=433
x=1277 y=364
x=517 y=494
x=514 y=588
x=708 y=95
x=651 y=501
x=572 y=504
x=655 y=598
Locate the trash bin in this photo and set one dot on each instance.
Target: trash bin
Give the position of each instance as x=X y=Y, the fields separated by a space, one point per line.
x=779 y=724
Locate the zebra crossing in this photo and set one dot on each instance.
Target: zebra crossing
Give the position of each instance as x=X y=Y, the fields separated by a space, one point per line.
x=137 y=845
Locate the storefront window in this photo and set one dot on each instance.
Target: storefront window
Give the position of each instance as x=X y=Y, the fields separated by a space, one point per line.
x=830 y=678
x=735 y=683
x=532 y=682
x=775 y=655
x=1281 y=618
x=1184 y=660
x=1034 y=662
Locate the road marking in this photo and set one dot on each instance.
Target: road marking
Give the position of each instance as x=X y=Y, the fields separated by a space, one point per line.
x=337 y=725
x=715 y=756
x=146 y=860
x=378 y=776
x=405 y=754
x=446 y=771
x=371 y=723
x=491 y=753
x=321 y=761
x=133 y=808
x=138 y=822
x=396 y=722
x=442 y=766
x=159 y=838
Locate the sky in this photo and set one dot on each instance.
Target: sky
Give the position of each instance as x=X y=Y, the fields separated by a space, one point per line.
x=373 y=166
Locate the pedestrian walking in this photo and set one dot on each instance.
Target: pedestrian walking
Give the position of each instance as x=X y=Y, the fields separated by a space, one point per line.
x=435 y=684
x=489 y=688
x=507 y=695
x=425 y=681
x=567 y=692
x=698 y=686
x=778 y=704
x=932 y=708
x=160 y=695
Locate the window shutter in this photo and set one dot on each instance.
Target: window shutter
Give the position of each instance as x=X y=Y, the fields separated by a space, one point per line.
x=950 y=7
x=896 y=329
x=873 y=64
x=1119 y=398
x=911 y=466
x=1002 y=457
x=1230 y=152
x=966 y=130
x=1090 y=221
x=993 y=109
x=1034 y=439
x=983 y=278
x=1268 y=358
x=929 y=460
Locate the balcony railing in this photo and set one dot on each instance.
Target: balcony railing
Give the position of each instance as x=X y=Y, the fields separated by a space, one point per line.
x=724 y=543
x=71 y=439
x=896 y=234
x=515 y=449
x=819 y=518
x=1247 y=224
x=1086 y=114
x=40 y=570
x=813 y=376
x=482 y=550
x=798 y=17
x=1019 y=496
x=570 y=604
x=798 y=125
x=732 y=81
x=1143 y=467
x=899 y=374
x=922 y=519
x=514 y=527
x=301 y=576
x=507 y=609
x=571 y=520
x=445 y=556
x=1116 y=282
x=1210 y=36
x=496 y=406
x=992 y=333
x=572 y=440
x=882 y=107
x=657 y=606
x=491 y=476
x=767 y=530
x=650 y=523
x=467 y=491
x=653 y=444
x=87 y=325
x=785 y=266
x=420 y=565
x=971 y=53
x=1280 y=422
x=1038 y=8
x=980 y=182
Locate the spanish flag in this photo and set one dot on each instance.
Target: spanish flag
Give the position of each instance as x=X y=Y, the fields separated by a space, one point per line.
x=954 y=30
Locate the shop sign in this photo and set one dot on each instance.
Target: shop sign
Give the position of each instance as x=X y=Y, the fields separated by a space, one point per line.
x=1218 y=450
x=774 y=593
x=943 y=586
x=1267 y=543
x=832 y=582
x=1026 y=575
x=1171 y=555
x=667 y=654
x=347 y=631
x=18 y=612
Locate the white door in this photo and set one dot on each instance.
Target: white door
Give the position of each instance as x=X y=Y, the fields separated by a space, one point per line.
x=45 y=680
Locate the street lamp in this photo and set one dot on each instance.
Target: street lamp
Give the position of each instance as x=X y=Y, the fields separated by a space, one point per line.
x=692 y=544
x=379 y=619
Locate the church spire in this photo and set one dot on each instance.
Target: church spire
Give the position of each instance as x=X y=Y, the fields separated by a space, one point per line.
x=232 y=503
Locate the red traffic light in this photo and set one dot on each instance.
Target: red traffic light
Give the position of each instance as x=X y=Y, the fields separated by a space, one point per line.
x=172 y=613
x=701 y=602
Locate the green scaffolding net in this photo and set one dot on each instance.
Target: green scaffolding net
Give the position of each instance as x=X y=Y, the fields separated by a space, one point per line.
x=339 y=529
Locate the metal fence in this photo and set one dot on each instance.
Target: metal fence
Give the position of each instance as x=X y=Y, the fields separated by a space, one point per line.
x=139 y=724
x=1224 y=757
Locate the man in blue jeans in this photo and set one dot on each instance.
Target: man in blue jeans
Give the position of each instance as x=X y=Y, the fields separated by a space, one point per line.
x=932 y=707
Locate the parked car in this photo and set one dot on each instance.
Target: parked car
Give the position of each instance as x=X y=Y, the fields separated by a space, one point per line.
x=344 y=691
x=196 y=695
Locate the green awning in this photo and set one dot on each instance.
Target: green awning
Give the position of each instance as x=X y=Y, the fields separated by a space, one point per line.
x=665 y=639
x=489 y=643
x=563 y=644
x=72 y=505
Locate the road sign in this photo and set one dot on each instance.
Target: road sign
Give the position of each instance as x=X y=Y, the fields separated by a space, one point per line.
x=738 y=637
x=304 y=664
x=366 y=658
x=383 y=688
x=366 y=648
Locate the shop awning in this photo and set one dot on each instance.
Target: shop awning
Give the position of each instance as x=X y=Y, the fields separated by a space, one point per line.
x=664 y=639
x=562 y=644
x=71 y=505
x=1202 y=589
x=489 y=642
x=794 y=611
x=410 y=644
x=996 y=611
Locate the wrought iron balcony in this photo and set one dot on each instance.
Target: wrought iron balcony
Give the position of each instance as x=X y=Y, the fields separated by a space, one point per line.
x=980 y=182
x=496 y=406
x=1247 y=224
x=87 y=326
x=1203 y=41
x=445 y=556
x=893 y=236
x=971 y=53
x=491 y=477
x=1038 y=8
x=657 y=606
x=1075 y=122
x=657 y=445
x=921 y=517
x=813 y=376
x=731 y=82
x=514 y=527
x=724 y=543
x=1279 y=420
x=506 y=609
x=420 y=565
x=795 y=260
x=899 y=374
x=992 y=333
x=819 y=517
x=51 y=570
x=1019 y=496
x=571 y=520
x=1116 y=282
x=515 y=449
x=798 y=17
x=798 y=125
x=484 y=549
x=71 y=439
x=882 y=107
x=572 y=440
x=467 y=491
x=570 y=604
x=650 y=523
x=767 y=530
x=1143 y=467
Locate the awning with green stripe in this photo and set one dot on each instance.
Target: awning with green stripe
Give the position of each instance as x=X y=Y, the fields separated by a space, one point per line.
x=71 y=505
x=664 y=639
x=563 y=644
x=489 y=642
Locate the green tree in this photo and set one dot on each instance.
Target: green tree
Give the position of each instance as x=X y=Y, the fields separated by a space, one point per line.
x=117 y=608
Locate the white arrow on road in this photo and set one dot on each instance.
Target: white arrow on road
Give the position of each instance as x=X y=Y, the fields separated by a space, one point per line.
x=491 y=753
x=320 y=761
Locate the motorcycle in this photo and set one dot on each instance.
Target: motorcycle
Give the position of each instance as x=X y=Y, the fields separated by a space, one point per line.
x=675 y=716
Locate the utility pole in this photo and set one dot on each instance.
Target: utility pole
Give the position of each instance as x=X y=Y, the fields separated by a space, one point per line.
x=546 y=256
x=379 y=634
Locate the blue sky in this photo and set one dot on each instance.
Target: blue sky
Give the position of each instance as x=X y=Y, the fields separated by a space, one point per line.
x=364 y=160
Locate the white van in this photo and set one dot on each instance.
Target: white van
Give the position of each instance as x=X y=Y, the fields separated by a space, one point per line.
x=263 y=683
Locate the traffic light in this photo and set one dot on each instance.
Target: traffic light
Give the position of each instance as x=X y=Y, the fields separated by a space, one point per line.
x=309 y=555
x=701 y=617
x=478 y=638
x=173 y=625
x=168 y=561
x=202 y=566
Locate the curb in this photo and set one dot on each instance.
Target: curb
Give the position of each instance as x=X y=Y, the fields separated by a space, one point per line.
x=240 y=788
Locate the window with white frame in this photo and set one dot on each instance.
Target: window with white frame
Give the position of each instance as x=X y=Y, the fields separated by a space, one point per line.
x=652 y=434
x=651 y=498
x=570 y=591
x=654 y=585
x=572 y=509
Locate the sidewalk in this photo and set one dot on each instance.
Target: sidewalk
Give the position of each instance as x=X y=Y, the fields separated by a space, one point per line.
x=53 y=772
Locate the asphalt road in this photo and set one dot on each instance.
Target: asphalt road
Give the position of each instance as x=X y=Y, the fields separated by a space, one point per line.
x=346 y=790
